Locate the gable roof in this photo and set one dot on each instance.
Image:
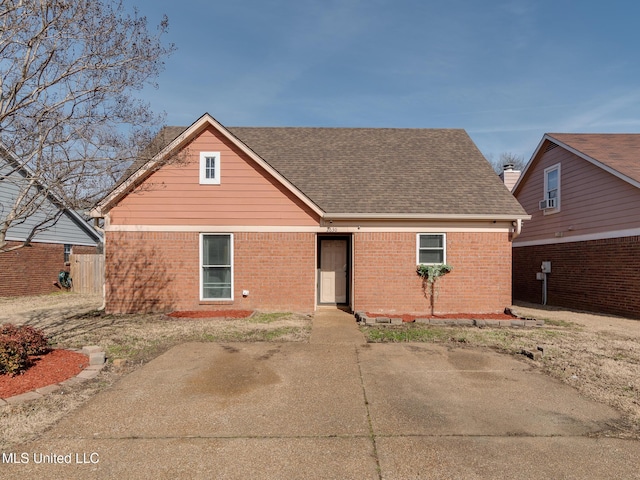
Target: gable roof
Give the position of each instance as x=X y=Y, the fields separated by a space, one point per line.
x=617 y=153
x=371 y=172
x=17 y=233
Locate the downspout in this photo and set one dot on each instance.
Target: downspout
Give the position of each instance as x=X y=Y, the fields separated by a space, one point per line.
x=104 y=249
x=517 y=228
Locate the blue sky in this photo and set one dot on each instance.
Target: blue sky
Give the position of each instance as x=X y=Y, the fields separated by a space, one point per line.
x=506 y=71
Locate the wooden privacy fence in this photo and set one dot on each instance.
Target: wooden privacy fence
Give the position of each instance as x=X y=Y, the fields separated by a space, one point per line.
x=87 y=273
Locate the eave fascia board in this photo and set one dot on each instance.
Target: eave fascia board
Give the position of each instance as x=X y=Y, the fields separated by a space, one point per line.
x=595 y=162
x=423 y=216
x=190 y=133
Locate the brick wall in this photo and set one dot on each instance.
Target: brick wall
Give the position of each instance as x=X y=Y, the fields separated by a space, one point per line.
x=600 y=275
x=33 y=270
x=158 y=271
x=386 y=282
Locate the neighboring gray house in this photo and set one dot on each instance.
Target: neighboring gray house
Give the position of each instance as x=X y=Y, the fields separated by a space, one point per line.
x=34 y=269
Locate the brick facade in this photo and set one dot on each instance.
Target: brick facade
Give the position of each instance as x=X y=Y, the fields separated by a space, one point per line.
x=386 y=282
x=159 y=271
x=33 y=270
x=599 y=275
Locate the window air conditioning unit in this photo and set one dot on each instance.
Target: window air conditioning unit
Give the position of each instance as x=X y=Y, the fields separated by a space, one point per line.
x=548 y=203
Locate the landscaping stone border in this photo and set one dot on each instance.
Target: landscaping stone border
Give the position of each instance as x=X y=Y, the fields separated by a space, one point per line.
x=96 y=364
x=363 y=319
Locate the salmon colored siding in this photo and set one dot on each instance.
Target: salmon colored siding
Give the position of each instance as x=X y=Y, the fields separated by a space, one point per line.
x=247 y=194
x=386 y=281
x=591 y=199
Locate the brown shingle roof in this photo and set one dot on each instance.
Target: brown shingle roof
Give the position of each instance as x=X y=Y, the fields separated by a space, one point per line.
x=372 y=171
x=384 y=171
x=619 y=151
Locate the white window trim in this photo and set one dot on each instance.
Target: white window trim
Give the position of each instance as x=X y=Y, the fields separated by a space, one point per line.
x=203 y=176
x=201 y=294
x=444 y=248
x=556 y=209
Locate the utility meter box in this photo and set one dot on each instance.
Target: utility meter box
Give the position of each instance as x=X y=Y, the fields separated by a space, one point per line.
x=545 y=267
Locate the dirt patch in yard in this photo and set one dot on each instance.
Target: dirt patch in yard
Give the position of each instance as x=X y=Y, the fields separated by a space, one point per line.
x=43 y=309
x=412 y=317
x=212 y=314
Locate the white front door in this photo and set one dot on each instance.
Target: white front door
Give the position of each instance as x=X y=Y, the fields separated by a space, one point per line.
x=333 y=271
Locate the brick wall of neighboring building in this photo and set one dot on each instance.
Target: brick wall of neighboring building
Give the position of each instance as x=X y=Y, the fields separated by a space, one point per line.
x=33 y=270
x=599 y=275
x=386 y=282
x=159 y=271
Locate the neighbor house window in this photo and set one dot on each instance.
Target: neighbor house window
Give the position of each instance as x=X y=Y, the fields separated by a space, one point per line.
x=552 y=189
x=216 y=267
x=67 y=252
x=432 y=248
x=210 y=168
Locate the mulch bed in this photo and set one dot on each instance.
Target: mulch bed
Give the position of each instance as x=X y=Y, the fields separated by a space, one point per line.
x=212 y=314
x=54 y=367
x=478 y=316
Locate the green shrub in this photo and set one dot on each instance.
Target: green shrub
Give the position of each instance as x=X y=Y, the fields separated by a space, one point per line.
x=17 y=343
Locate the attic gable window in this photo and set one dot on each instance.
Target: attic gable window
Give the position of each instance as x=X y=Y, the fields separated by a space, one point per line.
x=210 y=168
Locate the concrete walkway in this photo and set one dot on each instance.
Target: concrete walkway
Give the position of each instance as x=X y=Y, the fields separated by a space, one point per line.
x=333 y=408
x=333 y=326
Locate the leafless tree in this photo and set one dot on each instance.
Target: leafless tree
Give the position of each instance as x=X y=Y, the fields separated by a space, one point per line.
x=70 y=121
x=508 y=158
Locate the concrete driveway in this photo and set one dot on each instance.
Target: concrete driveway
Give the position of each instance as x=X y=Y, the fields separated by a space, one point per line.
x=333 y=408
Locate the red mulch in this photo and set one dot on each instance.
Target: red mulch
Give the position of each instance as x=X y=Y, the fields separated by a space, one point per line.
x=212 y=314
x=478 y=316
x=54 y=367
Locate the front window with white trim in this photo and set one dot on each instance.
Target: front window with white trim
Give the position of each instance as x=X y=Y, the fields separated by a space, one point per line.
x=431 y=249
x=216 y=266
x=552 y=189
x=210 y=168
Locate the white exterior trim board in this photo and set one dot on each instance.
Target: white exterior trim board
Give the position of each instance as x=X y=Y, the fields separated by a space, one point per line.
x=632 y=232
x=287 y=229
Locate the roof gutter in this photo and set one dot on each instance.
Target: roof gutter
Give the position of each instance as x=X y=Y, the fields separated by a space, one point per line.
x=425 y=216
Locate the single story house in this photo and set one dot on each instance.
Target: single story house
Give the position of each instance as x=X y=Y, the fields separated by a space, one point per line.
x=295 y=218
x=583 y=194
x=60 y=231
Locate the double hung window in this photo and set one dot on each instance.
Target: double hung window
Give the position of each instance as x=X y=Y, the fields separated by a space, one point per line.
x=552 y=189
x=431 y=248
x=216 y=267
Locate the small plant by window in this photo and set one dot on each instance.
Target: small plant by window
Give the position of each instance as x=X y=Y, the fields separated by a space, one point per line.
x=430 y=274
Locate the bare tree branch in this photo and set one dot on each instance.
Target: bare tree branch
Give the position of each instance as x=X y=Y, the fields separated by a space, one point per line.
x=69 y=118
